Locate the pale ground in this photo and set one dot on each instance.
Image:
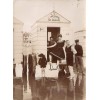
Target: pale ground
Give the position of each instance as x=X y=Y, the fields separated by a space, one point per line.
x=48 y=73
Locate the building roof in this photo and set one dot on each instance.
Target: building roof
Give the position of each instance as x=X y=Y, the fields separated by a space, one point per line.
x=17 y=21
x=80 y=31
x=53 y=17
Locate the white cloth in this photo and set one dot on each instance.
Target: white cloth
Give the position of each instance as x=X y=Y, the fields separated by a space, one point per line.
x=73 y=50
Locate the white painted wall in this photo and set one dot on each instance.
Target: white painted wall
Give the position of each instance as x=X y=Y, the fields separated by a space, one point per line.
x=17 y=40
x=81 y=35
x=39 y=33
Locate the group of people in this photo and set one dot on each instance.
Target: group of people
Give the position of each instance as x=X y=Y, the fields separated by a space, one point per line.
x=63 y=51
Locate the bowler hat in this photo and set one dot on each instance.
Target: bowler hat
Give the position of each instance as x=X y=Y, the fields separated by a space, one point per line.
x=76 y=40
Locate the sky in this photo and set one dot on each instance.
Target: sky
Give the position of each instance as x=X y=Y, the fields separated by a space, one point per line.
x=29 y=11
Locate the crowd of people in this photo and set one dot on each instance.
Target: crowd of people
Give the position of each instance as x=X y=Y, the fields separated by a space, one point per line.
x=61 y=52
x=66 y=55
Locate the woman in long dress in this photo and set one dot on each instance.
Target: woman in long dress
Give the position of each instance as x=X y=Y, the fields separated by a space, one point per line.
x=58 y=51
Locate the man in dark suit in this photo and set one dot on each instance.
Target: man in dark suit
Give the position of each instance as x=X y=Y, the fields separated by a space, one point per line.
x=79 y=55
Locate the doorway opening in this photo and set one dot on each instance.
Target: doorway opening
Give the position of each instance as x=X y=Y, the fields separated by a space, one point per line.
x=52 y=32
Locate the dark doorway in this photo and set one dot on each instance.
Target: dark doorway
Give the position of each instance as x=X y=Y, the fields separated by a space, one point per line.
x=52 y=32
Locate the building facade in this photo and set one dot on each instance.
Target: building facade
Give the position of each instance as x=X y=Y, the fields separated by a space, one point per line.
x=27 y=43
x=17 y=40
x=50 y=25
x=81 y=36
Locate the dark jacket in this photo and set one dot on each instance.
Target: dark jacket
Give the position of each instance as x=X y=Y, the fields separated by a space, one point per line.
x=42 y=61
x=79 y=50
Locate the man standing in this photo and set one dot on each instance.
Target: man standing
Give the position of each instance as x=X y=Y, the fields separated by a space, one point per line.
x=70 y=52
x=78 y=57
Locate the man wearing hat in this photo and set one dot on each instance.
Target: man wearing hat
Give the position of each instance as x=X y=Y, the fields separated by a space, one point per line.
x=79 y=55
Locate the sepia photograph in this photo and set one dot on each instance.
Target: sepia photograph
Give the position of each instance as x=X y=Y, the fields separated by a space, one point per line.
x=49 y=49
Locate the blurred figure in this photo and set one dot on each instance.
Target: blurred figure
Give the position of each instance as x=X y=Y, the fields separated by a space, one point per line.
x=17 y=88
x=80 y=87
x=24 y=73
x=61 y=73
x=30 y=63
x=79 y=79
x=50 y=47
x=34 y=63
x=70 y=52
x=42 y=62
x=32 y=84
x=79 y=59
x=43 y=91
x=58 y=51
x=58 y=91
x=24 y=63
x=14 y=68
x=71 y=90
x=71 y=85
x=25 y=81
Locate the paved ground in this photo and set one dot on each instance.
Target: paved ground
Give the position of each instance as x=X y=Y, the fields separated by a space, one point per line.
x=48 y=72
x=50 y=87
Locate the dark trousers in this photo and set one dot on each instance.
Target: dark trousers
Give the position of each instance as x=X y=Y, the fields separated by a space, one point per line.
x=14 y=70
x=24 y=64
x=79 y=64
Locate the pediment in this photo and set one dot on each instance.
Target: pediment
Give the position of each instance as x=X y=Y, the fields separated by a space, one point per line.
x=54 y=17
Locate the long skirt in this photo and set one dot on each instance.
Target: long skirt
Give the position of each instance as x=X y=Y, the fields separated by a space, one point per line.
x=58 y=53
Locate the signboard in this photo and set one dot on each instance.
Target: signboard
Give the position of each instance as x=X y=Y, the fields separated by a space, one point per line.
x=53 y=17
